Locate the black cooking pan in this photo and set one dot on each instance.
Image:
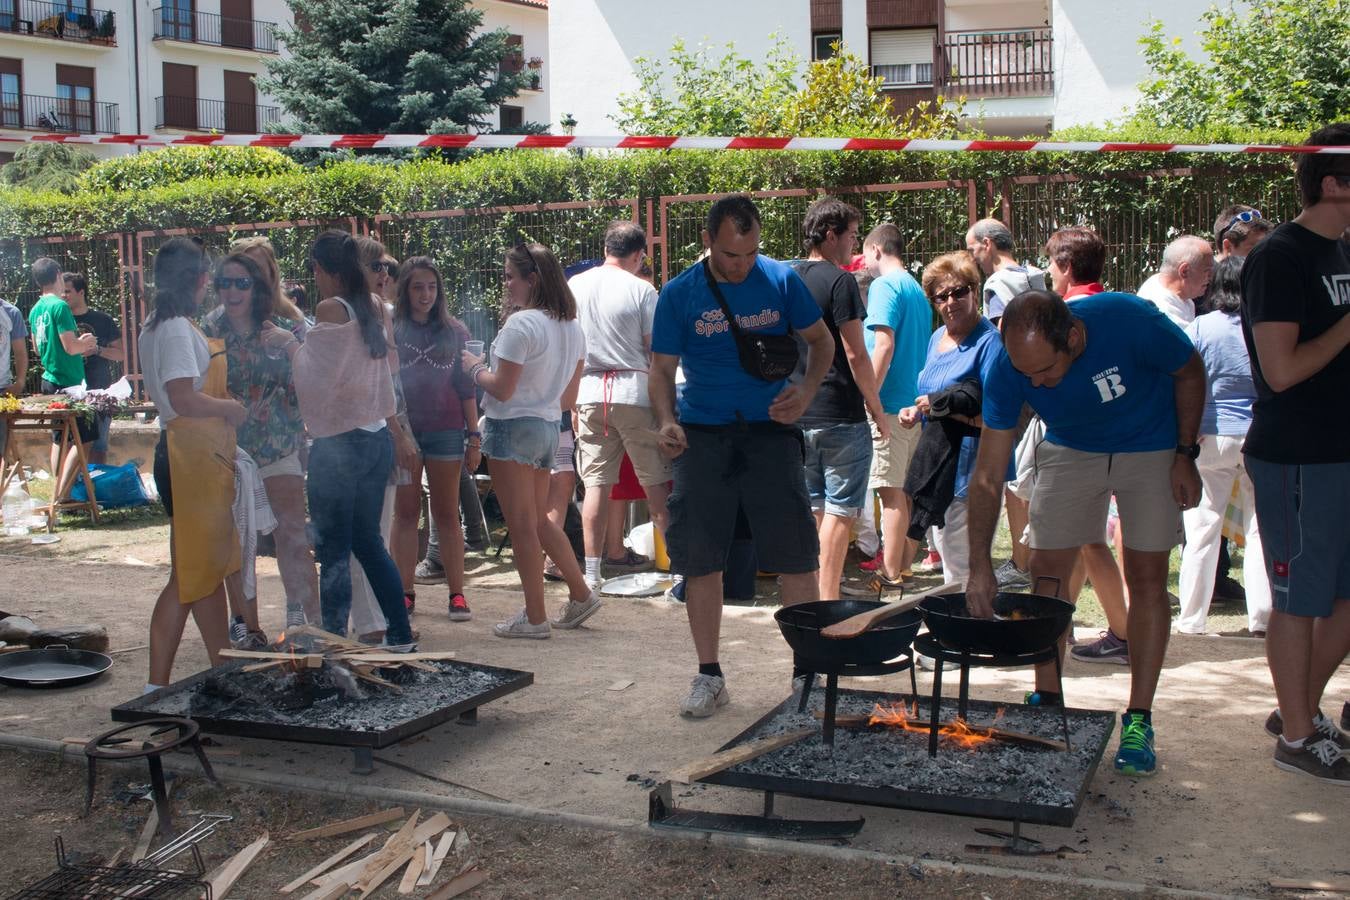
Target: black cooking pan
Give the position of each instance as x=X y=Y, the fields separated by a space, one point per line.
x=54 y=666
x=1023 y=623
x=801 y=626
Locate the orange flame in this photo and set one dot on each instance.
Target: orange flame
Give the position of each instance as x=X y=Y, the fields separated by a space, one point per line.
x=906 y=719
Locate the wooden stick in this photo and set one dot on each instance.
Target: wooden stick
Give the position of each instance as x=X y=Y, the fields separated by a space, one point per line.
x=328 y=863
x=315 y=632
x=305 y=660
x=998 y=734
x=264 y=666
x=709 y=765
x=460 y=884
x=370 y=655
x=375 y=679
x=1288 y=884
x=346 y=874
x=229 y=873
x=862 y=622
x=387 y=859
x=331 y=892
x=438 y=857
x=356 y=824
x=414 y=870
x=399 y=851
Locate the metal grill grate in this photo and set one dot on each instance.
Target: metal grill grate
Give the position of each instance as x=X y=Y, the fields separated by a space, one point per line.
x=80 y=882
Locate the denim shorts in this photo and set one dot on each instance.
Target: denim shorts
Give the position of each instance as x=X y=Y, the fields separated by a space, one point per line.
x=1301 y=510
x=441 y=446
x=529 y=440
x=729 y=472
x=838 y=460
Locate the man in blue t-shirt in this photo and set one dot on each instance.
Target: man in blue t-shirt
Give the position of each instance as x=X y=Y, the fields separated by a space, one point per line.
x=1121 y=391
x=897 y=328
x=737 y=454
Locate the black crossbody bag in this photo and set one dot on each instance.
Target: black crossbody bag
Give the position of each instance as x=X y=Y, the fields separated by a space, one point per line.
x=769 y=357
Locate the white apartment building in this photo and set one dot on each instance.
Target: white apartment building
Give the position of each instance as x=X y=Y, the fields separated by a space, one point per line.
x=1024 y=66
x=186 y=66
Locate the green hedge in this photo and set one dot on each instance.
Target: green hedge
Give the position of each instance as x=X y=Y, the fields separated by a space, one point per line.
x=515 y=177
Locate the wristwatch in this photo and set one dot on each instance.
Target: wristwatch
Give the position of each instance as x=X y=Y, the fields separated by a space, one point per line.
x=1190 y=451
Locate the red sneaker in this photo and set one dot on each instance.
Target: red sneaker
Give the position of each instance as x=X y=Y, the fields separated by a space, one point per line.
x=871 y=565
x=410 y=601
x=459 y=609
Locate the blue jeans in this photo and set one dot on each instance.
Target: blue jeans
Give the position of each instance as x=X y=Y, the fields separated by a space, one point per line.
x=345 y=487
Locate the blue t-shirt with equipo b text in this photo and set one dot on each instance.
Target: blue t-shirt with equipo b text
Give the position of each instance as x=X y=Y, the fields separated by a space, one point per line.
x=1117 y=396
x=689 y=324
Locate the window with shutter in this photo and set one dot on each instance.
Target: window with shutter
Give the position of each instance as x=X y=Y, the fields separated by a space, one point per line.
x=903 y=56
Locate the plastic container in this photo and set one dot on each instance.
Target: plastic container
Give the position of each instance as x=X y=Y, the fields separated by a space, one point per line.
x=17 y=509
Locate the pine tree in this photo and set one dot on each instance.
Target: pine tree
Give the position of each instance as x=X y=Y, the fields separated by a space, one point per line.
x=391 y=66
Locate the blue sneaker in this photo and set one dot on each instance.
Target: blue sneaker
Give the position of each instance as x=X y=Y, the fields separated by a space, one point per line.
x=1135 y=756
x=1036 y=698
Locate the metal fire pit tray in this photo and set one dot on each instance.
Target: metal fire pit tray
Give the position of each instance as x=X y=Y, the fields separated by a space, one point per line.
x=176 y=700
x=884 y=790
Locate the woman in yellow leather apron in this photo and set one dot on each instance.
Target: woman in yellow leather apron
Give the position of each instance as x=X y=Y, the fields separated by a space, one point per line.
x=185 y=377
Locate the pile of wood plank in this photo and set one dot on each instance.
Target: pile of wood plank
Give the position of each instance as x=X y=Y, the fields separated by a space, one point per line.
x=419 y=847
x=308 y=647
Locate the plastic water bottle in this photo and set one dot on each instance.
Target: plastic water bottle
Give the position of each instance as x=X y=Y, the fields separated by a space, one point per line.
x=17 y=508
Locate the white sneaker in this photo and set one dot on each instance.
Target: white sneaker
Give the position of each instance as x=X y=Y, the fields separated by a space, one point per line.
x=706 y=693
x=574 y=613
x=519 y=626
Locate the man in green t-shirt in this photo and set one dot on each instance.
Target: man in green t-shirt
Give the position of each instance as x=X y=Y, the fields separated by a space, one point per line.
x=61 y=350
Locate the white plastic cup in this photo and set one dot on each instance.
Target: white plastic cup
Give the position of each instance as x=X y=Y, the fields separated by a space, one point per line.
x=474 y=347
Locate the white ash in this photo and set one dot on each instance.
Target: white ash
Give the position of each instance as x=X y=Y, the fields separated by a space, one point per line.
x=261 y=694
x=898 y=759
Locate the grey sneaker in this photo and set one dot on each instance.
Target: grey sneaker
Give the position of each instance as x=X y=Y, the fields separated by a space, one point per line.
x=1325 y=729
x=1320 y=759
x=518 y=626
x=1011 y=578
x=1106 y=649
x=429 y=571
x=295 y=618
x=574 y=613
x=706 y=693
x=238 y=632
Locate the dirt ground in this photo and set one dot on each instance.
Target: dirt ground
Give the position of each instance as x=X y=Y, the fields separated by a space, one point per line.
x=522 y=859
x=569 y=744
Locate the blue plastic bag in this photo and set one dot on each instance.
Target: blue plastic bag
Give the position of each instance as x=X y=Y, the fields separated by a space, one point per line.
x=114 y=486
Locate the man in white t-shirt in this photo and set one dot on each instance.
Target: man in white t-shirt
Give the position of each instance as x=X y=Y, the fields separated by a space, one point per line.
x=991 y=243
x=613 y=413
x=1187 y=264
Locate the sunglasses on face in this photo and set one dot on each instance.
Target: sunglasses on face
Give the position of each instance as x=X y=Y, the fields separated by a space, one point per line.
x=955 y=293
x=242 y=283
x=378 y=267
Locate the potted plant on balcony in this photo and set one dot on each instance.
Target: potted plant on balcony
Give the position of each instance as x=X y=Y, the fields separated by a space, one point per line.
x=106 y=29
x=536 y=65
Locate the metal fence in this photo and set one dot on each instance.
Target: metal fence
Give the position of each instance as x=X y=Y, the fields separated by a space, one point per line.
x=1137 y=214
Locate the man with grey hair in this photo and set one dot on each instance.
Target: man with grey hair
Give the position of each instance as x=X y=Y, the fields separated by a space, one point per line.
x=613 y=412
x=991 y=243
x=1187 y=264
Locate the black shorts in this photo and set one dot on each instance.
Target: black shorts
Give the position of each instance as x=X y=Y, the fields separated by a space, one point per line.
x=755 y=470
x=162 y=483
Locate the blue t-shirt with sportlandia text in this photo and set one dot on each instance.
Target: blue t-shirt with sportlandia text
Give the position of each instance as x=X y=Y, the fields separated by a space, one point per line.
x=896 y=301
x=689 y=324
x=1117 y=396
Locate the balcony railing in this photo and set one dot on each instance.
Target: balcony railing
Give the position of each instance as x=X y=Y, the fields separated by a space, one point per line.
x=36 y=113
x=173 y=23
x=58 y=20
x=194 y=114
x=1016 y=62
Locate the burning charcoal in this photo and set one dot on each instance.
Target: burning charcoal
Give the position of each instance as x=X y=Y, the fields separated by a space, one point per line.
x=399 y=675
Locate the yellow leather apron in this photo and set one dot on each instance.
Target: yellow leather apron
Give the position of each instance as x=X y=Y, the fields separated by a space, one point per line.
x=201 y=473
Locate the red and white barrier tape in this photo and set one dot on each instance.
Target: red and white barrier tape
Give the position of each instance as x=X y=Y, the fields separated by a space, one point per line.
x=623 y=142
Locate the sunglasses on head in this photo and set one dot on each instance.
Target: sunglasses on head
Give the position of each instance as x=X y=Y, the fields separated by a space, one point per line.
x=242 y=283
x=1249 y=215
x=955 y=293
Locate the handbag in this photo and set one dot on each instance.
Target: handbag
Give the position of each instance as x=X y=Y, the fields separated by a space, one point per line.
x=768 y=357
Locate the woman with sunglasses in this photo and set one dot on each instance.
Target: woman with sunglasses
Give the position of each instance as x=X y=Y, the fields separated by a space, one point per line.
x=260 y=250
x=346 y=394
x=443 y=415
x=185 y=377
x=536 y=366
x=963 y=348
x=273 y=433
